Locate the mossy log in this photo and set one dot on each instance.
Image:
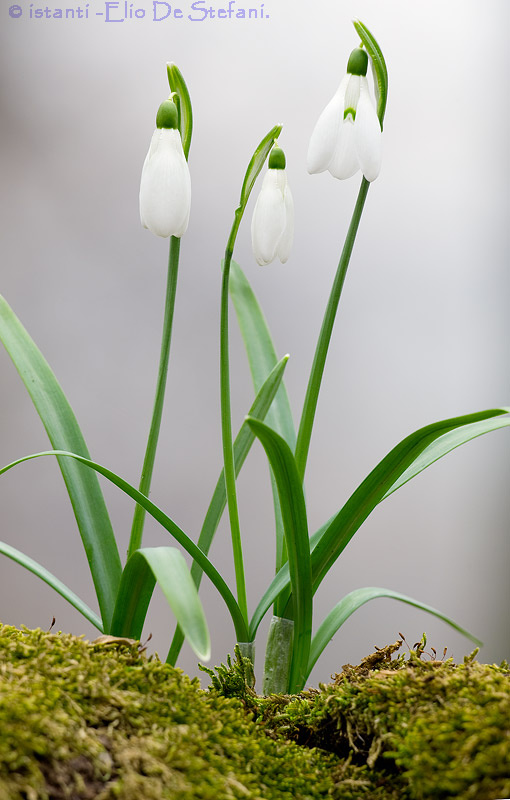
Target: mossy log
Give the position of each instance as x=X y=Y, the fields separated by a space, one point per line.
x=83 y=720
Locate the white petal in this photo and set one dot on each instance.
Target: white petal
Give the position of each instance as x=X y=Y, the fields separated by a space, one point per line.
x=268 y=221
x=352 y=92
x=165 y=187
x=368 y=137
x=285 y=243
x=324 y=137
x=345 y=162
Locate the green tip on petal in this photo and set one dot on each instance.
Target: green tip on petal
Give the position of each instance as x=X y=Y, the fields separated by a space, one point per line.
x=358 y=62
x=167 y=116
x=276 y=159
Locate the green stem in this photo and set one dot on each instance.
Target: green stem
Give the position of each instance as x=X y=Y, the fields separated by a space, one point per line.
x=135 y=540
x=321 y=352
x=226 y=427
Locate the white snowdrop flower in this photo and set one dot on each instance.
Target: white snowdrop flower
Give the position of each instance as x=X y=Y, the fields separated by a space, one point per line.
x=272 y=225
x=165 y=186
x=347 y=136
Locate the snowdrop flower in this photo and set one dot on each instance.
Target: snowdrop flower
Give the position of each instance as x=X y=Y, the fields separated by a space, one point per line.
x=347 y=136
x=165 y=187
x=272 y=225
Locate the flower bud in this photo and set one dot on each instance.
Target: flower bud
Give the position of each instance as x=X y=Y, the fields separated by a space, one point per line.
x=272 y=227
x=165 y=186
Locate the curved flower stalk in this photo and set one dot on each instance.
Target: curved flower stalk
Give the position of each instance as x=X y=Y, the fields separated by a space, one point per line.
x=272 y=226
x=165 y=186
x=347 y=136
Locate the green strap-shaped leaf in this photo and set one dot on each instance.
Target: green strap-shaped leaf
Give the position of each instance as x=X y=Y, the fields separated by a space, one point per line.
x=446 y=443
x=64 y=434
x=405 y=461
x=260 y=351
x=279 y=585
x=354 y=600
x=51 y=580
x=261 y=358
x=167 y=523
x=242 y=445
x=379 y=67
x=387 y=474
x=166 y=566
x=178 y=84
x=292 y=503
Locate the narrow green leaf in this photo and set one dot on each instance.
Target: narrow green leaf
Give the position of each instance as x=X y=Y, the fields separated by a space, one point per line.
x=178 y=84
x=257 y=162
x=379 y=66
x=260 y=351
x=51 y=580
x=280 y=584
x=64 y=434
x=410 y=457
x=262 y=358
x=167 y=523
x=167 y=566
x=354 y=600
x=445 y=444
x=242 y=445
x=386 y=475
x=292 y=503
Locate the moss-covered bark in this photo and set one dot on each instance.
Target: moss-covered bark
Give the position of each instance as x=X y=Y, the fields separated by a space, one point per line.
x=81 y=720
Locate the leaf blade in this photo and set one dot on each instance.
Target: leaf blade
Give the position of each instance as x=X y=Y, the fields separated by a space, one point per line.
x=64 y=434
x=37 y=569
x=167 y=567
x=293 y=507
x=242 y=445
x=261 y=355
x=261 y=352
x=373 y=489
x=357 y=598
x=165 y=521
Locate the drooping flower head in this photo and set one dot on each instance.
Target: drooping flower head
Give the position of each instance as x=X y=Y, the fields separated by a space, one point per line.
x=347 y=136
x=165 y=186
x=272 y=226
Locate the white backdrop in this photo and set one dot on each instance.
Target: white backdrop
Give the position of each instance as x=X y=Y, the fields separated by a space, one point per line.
x=423 y=328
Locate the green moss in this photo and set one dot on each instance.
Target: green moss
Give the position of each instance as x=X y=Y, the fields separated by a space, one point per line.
x=92 y=721
x=81 y=720
x=411 y=729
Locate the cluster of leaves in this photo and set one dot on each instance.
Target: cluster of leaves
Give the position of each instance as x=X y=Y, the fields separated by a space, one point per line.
x=303 y=557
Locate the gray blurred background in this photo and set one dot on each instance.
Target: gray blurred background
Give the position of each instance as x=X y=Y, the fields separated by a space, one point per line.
x=423 y=329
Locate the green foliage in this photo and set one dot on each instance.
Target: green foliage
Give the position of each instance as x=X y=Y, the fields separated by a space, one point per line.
x=64 y=433
x=301 y=561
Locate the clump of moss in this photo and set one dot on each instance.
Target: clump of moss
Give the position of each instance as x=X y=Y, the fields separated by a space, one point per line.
x=82 y=721
x=236 y=678
x=407 y=729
